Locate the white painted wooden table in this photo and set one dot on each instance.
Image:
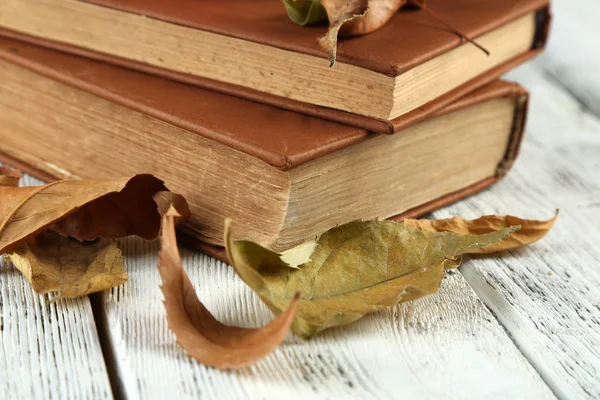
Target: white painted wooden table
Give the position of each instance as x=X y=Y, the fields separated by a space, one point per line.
x=525 y=325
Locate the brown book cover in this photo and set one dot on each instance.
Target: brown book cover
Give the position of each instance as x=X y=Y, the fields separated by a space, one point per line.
x=411 y=38
x=282 y=139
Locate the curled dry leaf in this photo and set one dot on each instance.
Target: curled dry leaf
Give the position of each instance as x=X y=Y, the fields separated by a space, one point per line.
x=84 y=210
x=531 y=230
x=355 y=18
x=355 y=269
x=346 y=17
x=197 y=331
x=32 y=217
x=53 y=263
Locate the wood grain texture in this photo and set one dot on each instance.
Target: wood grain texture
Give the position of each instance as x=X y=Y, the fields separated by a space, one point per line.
x=572 y=60
x=546 y=295
x=544 y=300
x=444 y=346
x=47 y=351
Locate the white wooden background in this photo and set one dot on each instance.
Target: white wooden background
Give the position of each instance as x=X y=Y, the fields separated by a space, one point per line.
x=524 y=325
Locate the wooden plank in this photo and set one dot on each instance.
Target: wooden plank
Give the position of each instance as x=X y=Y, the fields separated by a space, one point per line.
x=443 y=346
x=47 y=351
x=546 y=296
x=572 y=59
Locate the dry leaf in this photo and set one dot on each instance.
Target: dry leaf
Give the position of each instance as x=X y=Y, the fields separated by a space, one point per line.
x=298 y=255
x=9 y=177
x=197 y=331
x=354 y=18
x=85 y=210
x=53 y=263
x=329 y=41
x=531 y=230
x=346 y=17
x=165 y=200
x=34 y=218
x=357 y=268
x=371 y=14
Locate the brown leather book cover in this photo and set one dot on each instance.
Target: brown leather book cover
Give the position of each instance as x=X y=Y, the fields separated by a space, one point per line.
x=409 y=39
x=281 y=138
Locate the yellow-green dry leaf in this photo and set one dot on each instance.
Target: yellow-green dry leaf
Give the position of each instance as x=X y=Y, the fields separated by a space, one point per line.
x=291 y=258
x=356 y=269
x=531 y=230
x=305 y=12
x=53 y=263
x=298 y=255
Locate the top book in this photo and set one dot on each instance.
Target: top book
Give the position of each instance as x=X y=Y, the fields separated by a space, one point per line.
x=253 y=50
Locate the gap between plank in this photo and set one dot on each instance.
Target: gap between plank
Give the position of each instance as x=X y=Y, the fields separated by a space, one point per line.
x=108 y=351
x=515 y=326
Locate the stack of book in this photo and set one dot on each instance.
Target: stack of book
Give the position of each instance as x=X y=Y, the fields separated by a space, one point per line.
x=235 y=107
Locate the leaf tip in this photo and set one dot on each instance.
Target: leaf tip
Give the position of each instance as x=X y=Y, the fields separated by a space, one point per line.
x=228 y=221
x=227 y=232
x=227 y=242
x=172 y=212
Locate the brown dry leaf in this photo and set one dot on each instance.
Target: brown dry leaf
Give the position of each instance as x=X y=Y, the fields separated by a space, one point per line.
x=356 y=269
x=197 y=331
x=372 y=14
x=165 y=200
x=329 y=41
x=353 y=18
x=531 y=230
x=9 y=177
x=85 y=210
x=53 y=263
x=32 y=220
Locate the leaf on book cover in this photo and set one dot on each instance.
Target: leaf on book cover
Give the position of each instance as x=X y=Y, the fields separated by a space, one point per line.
x=85 y=210
x=53 y=263
x=354 y=18
x=531 y=230
x=305 y=12
x=355 y=269
x=197 y=331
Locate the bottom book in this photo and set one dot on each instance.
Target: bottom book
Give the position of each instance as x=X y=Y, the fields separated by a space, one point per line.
x=282 y=177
